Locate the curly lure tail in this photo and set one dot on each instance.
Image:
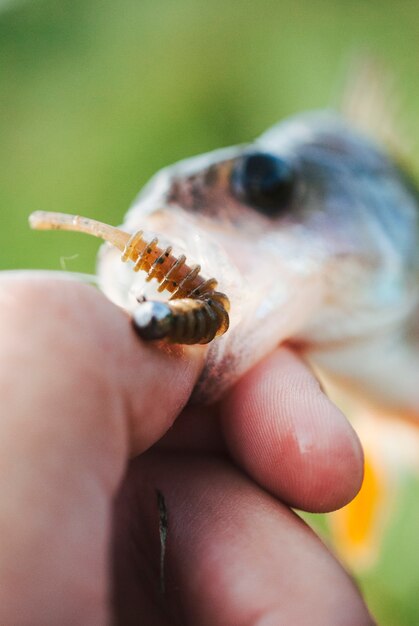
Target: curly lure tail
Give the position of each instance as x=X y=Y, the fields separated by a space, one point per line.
x=195 y=312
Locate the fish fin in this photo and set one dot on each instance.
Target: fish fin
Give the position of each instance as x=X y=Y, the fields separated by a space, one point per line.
x=357 y=529
x=391 y=453
x=371 y=101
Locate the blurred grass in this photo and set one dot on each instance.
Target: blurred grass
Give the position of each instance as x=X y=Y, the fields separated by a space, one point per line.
x=391 y=586
x=95 y=96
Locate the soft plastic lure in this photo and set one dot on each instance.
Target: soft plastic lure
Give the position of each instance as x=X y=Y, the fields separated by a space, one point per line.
x=196 y=312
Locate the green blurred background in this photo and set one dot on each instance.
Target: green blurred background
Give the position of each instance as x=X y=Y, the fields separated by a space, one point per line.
x=96 y=95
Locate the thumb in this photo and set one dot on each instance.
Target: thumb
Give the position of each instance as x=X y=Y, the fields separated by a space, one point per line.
x=80 y=394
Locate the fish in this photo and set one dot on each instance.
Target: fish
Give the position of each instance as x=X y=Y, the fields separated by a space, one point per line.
x=312 y=231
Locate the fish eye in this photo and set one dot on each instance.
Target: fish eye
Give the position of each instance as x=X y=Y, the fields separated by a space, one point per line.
x=264 y=181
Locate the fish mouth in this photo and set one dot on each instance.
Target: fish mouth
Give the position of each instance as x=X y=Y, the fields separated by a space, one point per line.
x=260 y=281
x=271 y=295
x=185 y=237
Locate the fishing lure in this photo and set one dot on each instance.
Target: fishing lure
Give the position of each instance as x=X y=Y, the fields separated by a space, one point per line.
x=196 y=312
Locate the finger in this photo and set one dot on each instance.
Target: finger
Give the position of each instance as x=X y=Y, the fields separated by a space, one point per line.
x=196 y=428
x=234 y=555
x=290 y=438
x=79 y=394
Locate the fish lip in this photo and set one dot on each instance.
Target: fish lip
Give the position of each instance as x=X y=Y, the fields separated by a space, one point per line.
x=172 y=228
x=233 y=259
x=175 y=226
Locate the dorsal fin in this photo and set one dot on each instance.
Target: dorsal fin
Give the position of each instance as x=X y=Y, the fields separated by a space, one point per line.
x=371 y=102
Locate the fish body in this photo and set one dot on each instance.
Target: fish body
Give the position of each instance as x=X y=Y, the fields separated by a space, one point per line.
x=312 y=231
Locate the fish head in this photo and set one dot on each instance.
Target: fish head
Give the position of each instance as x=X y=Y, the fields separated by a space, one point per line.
x=310 y=230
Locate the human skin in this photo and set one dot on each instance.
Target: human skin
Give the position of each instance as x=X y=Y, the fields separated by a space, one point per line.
x=93 y=422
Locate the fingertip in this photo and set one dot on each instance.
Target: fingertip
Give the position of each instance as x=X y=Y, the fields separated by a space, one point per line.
x=89 y=346
x=285 y=432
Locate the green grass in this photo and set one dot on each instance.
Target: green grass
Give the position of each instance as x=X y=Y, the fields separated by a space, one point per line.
x=95 y=96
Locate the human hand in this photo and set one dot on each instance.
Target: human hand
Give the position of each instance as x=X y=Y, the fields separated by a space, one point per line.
x=81 y=395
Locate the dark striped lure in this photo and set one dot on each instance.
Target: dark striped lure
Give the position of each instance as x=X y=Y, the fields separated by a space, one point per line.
x=194 y=314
